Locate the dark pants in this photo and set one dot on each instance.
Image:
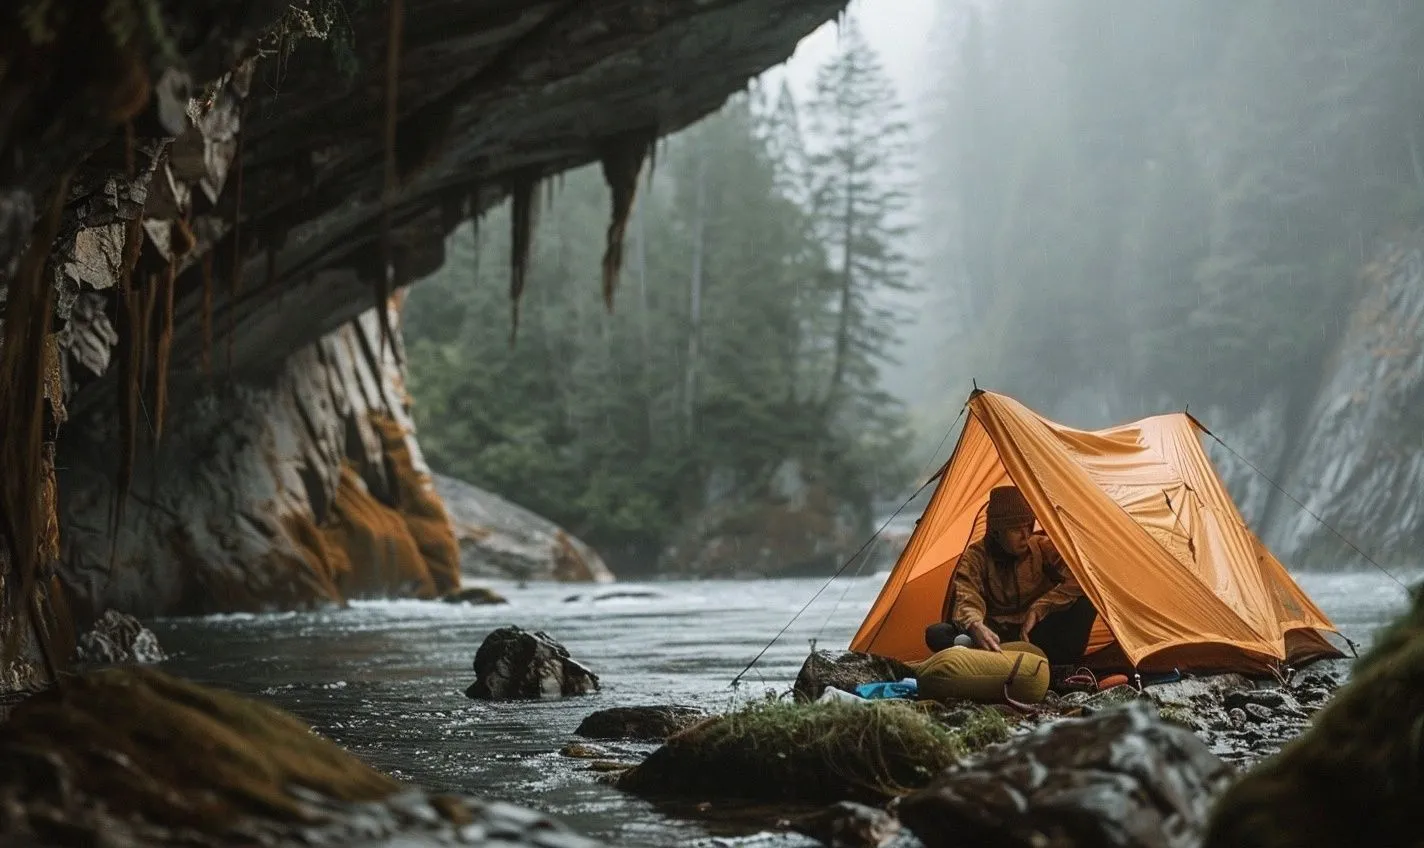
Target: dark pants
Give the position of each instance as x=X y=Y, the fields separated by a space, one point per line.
x=1062 y=635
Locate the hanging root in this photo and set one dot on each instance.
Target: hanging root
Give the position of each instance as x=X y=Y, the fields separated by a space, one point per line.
x=208 y=314
x=523 y=198
x=128 y=371
x=165 y=347
x=235 y=283
x=28 y=315
x=622 y=159
x=383 y=279
x=150 y=301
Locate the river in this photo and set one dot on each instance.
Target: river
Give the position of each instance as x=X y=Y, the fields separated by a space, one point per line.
x=386 y=679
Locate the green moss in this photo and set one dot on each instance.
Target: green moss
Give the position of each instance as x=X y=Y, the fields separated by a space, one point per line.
x=813 y=752
x=173 y=753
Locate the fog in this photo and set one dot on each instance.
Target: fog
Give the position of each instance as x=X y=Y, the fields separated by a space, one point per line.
x=1127 y=208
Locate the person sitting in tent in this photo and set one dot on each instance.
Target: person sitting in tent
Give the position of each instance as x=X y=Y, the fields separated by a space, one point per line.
x=1012 y=584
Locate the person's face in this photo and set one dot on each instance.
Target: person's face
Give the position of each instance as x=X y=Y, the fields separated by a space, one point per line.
x=1015 y=539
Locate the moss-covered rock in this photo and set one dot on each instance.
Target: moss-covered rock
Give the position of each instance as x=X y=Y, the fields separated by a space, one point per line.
x=1352 y=778
x=131 y=756
x=826 y=751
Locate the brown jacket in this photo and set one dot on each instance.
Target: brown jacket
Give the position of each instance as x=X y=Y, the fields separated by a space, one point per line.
x=985 y=590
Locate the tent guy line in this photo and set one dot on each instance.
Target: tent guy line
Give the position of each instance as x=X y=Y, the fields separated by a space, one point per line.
x=1307 y=510
x=853 y=557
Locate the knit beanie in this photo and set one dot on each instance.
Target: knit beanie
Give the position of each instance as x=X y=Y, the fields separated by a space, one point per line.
x=1007 y=509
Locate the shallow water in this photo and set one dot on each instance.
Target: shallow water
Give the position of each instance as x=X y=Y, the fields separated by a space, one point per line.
x=387 y=679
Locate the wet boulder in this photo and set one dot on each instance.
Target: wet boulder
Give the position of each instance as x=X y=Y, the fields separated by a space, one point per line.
x=847 y=824
x=649 y=723
x=1122 y=777
x=845 y=670
x=107 y=758
x=513 y=664
x=118 y=638
x=478 y=595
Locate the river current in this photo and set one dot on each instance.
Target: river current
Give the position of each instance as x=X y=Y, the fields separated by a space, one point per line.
x=386 y=679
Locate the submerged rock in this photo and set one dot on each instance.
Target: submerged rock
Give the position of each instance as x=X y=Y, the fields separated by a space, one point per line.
x=651 y=723
x=825 y=751
x=1122 y=777
x=847 y=824
x=513 y=664
x=108 y=758
x=481 y=595
x=845 y=670
x=119 y=638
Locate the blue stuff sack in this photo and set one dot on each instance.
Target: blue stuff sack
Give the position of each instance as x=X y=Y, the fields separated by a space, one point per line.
x=906 y=688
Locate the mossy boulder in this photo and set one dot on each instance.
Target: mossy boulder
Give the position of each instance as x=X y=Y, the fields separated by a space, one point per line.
x=1354 y=776
x=826 y=751
x=131 y=756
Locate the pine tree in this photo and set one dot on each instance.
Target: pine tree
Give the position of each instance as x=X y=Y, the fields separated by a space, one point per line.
x=858 y=199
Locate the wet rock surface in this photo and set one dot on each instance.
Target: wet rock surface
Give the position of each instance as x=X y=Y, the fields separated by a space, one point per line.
x=105 y=758
x=478 y=595
x=118 y=638
x=1240 y=719
x=1353 y=777
x=499 y=538
x=647 y=723
x=848 y=825
x=844 y=670
x=1122 y=777
x=513 y=664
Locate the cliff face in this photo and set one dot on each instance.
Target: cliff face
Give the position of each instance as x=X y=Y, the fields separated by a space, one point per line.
x=1359 y=465
x=305 y=489
x=1345 y=447
x=190 y=238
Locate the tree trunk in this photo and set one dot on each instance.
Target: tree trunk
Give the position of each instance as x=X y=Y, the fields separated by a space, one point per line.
x=695 y=308
x=847 y=281
x=646 y=361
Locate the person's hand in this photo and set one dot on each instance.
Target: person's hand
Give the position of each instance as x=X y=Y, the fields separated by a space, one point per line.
x=1031 y=620
x=984 y=637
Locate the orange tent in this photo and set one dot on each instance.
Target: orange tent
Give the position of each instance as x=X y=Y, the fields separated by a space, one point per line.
x=1144 y=522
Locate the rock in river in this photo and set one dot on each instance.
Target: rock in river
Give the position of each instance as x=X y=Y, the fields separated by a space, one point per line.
x=513 y=664
x=650 y=723
x=845 y=670
x=130 y=756
x=1122 y=778
x=480 y=595
x=119 y=638
x=847 y=824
